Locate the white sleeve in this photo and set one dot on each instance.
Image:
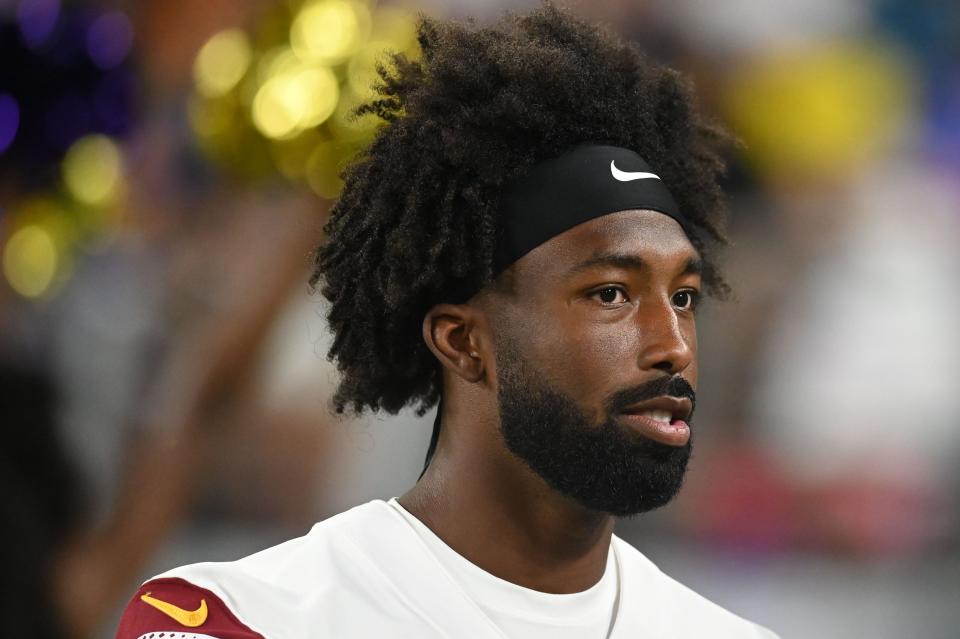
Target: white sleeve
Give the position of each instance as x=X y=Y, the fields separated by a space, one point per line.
x=765 y=633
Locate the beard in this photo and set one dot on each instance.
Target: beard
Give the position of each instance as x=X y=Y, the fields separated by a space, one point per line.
x=600 y=464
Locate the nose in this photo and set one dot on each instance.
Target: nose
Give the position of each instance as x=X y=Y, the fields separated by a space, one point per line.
x=666 y=343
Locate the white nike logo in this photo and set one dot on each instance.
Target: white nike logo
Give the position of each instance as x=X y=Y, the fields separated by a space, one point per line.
x=625 y=176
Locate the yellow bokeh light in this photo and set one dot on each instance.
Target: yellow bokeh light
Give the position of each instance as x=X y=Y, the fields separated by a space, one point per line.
x=324 y=167
x=323 y=92
x=396 y=26
x=275 y=61
x=329 y=31
x=30 y=261
x=348 y=127
x=210 y=118
x=362 y=68
x=295 y=100
x=222 y=62
x=820 y=111
x=92 y=169
x=290 y=156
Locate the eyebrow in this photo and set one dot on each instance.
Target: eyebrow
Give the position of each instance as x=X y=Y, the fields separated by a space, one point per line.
x=694 y=265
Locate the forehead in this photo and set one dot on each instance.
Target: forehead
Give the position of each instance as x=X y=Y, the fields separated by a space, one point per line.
x=654 y=237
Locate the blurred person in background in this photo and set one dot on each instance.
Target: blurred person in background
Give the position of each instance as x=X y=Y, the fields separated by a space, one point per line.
x=508 y=247
x=846 y=223
x=128 y=380
x=68 y=561
x=39 y=501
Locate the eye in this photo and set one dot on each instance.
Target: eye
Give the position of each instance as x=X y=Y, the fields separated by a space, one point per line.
x=686 y=299
x=611 y=296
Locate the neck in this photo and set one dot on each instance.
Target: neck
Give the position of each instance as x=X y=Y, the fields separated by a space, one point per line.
x=493 y=510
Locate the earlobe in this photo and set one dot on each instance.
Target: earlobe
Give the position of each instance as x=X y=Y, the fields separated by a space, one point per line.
x=449 y=332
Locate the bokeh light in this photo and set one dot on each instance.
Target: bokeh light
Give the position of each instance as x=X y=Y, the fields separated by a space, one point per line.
x=274 y=61
x=397 y=26
x=362 y=68
x=37 y=18
x=112 y=101
x=290 y=89
x=329 y=31
x=290 y=156
x=222 y=62
x=324 y=168
x=820 y=111
x=210 y=118
x=9 y=120
x=30 y=260
x=345 y=125
x=92 y=169
x=294 y=100
x=109 y=39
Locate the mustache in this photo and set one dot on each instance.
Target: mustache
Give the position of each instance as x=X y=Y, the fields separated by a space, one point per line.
x=674 y=386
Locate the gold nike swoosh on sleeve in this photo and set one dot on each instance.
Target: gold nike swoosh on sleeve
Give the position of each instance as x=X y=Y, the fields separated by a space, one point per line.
x=188 y=618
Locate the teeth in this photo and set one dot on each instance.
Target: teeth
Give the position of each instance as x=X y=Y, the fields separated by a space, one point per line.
x=658 y=415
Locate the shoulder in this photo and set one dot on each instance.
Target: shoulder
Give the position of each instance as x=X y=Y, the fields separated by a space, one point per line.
x=678 y=608
x=247 y=598
x=175 y=608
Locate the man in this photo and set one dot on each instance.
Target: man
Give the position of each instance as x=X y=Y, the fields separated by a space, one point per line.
x=525 y=242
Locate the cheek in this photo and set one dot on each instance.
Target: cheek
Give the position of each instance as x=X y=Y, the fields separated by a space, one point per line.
x=692 y=371
x=590 y=358
x=609 y=347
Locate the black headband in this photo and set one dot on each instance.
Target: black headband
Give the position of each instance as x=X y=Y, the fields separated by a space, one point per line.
x=587 y=182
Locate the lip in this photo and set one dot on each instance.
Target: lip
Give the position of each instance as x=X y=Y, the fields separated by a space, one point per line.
x=680 y=408
x=676 y=433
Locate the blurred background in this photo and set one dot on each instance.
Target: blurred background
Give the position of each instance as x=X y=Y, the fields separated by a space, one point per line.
x=165 y=171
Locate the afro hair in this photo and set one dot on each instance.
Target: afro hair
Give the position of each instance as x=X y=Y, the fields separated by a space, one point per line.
x=417 y=220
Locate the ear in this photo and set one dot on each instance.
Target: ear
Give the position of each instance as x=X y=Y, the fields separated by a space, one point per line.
x=453 y=334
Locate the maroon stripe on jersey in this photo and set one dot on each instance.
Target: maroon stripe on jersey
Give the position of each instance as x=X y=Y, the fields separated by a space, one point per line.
x=142 y=618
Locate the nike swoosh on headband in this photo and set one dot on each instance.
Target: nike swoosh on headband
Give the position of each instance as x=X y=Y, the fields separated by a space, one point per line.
x=625 y=176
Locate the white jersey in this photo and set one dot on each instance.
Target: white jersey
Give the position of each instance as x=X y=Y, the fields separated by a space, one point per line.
x=369 y=572
x=522 y=612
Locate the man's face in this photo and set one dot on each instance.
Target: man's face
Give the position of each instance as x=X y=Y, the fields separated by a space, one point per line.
x=596 y=360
